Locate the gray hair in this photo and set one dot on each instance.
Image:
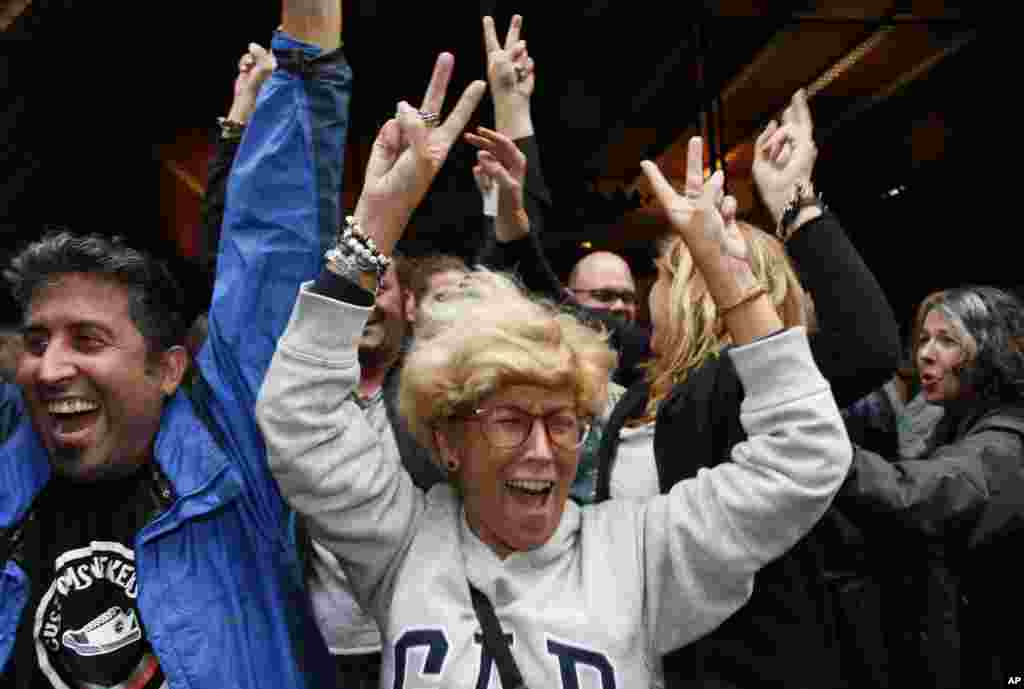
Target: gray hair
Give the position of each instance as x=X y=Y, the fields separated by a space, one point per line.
x=991 y=322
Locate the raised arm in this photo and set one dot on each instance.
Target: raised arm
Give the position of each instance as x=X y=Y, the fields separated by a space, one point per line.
x=282 y=208
x=524 y=205
x=857 y=344
x=504 y=164
x=706 y=539
x=253 y=69
x=330 y=464
x=511 y=74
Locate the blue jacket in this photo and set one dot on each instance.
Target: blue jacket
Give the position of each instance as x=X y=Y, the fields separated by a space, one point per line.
x=220 y=589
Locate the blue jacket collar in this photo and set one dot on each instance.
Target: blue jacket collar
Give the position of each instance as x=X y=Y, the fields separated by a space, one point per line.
x=24 y=470
x=203 y=478
x=198 y=468
x=185 y=449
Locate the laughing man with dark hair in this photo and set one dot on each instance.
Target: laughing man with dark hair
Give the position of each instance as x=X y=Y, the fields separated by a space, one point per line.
x=143 y=541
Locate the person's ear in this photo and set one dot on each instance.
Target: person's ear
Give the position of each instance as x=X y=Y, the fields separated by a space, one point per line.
x=410 y=307
x=451 y=456
x=173 y=365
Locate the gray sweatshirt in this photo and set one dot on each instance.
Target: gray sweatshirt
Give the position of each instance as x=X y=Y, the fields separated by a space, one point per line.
x=617 y=585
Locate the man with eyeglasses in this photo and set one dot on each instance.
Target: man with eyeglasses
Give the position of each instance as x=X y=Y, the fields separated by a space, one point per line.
x=603 y=281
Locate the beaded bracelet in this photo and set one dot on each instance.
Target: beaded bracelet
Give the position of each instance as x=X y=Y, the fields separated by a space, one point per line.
x=344 y=264
x=356 y=253
x=363 y=246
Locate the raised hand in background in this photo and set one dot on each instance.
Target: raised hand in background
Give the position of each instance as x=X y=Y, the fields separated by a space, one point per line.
x=407 y=155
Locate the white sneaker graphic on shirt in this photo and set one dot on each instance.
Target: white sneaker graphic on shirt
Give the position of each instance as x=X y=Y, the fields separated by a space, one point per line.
x=111 y=631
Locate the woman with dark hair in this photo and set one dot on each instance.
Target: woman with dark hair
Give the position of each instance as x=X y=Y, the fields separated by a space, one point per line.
x=897 y=420
x=940 y=526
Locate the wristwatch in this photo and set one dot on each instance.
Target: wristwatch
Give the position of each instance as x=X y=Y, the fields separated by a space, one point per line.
x=802 y=198
x=230 y=129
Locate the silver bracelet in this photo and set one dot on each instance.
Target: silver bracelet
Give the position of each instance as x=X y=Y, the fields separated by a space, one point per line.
x=354 y=253
x=345 y=265
x=362 y=246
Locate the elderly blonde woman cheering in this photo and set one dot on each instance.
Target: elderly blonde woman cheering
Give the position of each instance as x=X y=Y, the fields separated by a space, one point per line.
x=501 y=388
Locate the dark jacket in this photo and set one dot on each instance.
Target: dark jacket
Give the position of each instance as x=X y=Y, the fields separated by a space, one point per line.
x=785 y=636
x=935 y=538
x=212 y=204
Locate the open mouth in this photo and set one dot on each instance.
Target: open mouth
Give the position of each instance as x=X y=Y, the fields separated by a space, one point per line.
x=73 y=415
x=530 y=489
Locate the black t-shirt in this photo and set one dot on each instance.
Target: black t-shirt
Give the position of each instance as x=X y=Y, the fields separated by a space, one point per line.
x=86 y=626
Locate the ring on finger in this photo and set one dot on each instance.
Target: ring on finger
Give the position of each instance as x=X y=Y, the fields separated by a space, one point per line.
x=431 y=119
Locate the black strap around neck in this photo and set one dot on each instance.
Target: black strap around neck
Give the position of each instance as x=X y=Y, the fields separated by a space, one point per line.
x=494 y=640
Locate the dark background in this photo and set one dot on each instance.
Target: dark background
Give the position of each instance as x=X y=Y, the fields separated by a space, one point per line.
x=94 y=95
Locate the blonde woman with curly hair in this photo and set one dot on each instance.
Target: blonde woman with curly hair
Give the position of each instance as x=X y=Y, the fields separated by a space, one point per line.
x=685 y=416
x=498 y=572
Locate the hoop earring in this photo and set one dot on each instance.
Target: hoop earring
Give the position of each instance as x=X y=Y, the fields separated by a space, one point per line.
x=452 y=466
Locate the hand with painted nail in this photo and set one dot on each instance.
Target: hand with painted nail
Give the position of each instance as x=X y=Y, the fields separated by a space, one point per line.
x=510 y=72
x=499 y=159
x=784 y=156
x=408 y=154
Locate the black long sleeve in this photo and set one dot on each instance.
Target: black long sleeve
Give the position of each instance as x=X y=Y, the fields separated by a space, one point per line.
x=857 y=344
x=526 y=256
x=212 y=204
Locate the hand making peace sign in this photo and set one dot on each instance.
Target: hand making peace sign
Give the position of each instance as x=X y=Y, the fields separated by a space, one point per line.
x=705 y=219
x=510 y=71
x=407 y=155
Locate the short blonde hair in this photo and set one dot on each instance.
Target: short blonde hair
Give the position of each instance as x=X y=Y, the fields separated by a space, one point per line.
x=488 y=335
x=694 y=329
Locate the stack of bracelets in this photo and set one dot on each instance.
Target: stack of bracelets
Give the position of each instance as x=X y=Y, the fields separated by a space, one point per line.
x=354 y=254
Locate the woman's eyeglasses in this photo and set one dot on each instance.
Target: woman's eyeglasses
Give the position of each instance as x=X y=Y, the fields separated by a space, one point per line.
x=508 y=428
